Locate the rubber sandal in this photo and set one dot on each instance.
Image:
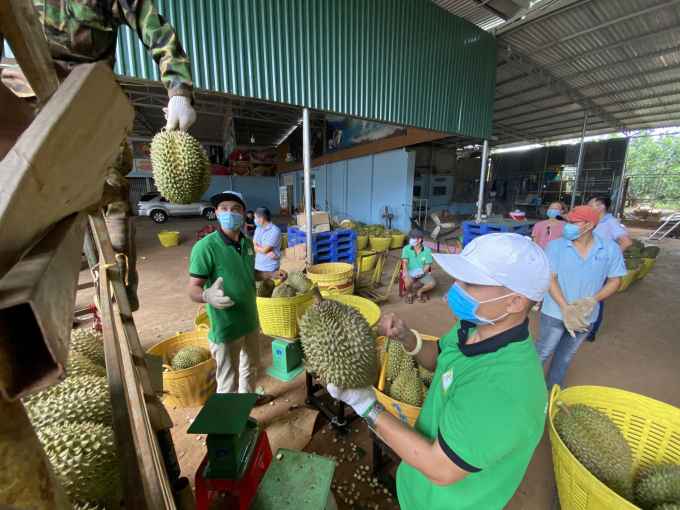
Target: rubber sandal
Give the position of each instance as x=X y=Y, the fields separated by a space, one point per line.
x=409 y=300
x=422 y=299
x=263 y=399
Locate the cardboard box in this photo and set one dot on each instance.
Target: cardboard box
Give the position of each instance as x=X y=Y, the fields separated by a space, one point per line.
x=318 y=218
x=326 y=227
x=294 y=258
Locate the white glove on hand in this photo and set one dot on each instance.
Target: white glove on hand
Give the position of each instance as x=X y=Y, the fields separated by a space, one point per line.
x=585 y=306
x=362 y=400
x=180 y=114
x=573 y=320
x=215 y=296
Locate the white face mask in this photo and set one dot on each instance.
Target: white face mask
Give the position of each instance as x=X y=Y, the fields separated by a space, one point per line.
x=412 y=242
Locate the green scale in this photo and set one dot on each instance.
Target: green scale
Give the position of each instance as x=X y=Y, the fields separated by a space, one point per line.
x=231 y=434
x=286 y=359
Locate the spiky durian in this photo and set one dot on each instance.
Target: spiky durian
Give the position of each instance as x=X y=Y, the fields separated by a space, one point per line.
x=264 y=288
x=189 y=357
x=397 y=360
x=657 y=485
x=651 y=252
x=409 y=389
x=181 y=167
x=299 y=282
x=425 y=375
x=284 y=291
x=79 y=364
x=89 y=342
x=71 y=407
x=339 y=344
x=72 y=387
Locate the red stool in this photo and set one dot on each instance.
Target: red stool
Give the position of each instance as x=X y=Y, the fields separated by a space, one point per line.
x=401 y=283
x=244 y=488
x=208 y=229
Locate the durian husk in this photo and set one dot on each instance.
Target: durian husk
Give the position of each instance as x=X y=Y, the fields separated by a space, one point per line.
x=90 y=343
x=657 y=485
x=408 y=388
x=189 y=357
x=397 y=360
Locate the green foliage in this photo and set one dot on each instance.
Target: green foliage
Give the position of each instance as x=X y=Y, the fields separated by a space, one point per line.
x=654 y=155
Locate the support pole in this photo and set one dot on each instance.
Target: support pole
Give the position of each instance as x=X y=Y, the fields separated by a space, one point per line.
x=482 y=179
x=581 y=153
x=619 y=206
x=306 y=162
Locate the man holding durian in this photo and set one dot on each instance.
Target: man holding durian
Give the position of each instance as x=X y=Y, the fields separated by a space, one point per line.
x=485 y=410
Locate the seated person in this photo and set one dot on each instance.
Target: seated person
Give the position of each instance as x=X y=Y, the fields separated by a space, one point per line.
x=249 y=224
x=416 y=263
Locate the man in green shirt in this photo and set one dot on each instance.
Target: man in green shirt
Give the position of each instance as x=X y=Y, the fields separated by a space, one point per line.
x=485 y=410
x=222 y=274
x=416 y=261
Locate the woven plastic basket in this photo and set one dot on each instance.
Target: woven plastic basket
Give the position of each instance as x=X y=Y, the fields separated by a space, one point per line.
x=651 y=428
x=644 y=270
x=628 y=279
x=278 y=316
x=362 y=242
x=367 y=308
x=202 y=321
x=190 y=387
x=380 y=243
x=404 y=412
x=169 y=239
x=397 y=241
x=366 y=260
x=332 y=273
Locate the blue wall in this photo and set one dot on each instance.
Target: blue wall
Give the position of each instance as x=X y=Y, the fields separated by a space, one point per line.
x=256 y=191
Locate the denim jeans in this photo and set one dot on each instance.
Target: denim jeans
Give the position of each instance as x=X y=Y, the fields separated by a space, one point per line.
x=596 y=324
x=554 y=339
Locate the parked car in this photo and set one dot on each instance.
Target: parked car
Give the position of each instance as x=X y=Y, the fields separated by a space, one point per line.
x=159 y=209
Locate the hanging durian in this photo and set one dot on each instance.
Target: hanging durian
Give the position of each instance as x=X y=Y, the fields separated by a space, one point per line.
x=408 y=388
x=90 y=342
x=657 y=485
x=264 y=288
x=181 y=167
x=299 y=282
x=338 y=343
x=397 y=360
x=188 y=357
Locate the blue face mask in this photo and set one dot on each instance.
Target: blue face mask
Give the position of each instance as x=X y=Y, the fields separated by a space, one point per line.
x=553 y=213
x=412 y=242
x=230 y=220
x=570 y=231
x=465 y=306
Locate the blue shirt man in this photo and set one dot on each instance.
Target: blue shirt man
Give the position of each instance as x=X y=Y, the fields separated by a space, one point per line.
x=267 y=242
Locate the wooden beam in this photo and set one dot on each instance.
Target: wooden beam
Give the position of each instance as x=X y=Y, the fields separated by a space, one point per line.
x=58 y=165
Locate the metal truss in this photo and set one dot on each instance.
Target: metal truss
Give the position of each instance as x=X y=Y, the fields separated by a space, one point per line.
x=540 y=11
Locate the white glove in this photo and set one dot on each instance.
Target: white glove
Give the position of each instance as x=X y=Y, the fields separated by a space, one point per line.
x=574 y=320
x=362 y=400
x=215 y=296
x=585 y=305
x=180 y=114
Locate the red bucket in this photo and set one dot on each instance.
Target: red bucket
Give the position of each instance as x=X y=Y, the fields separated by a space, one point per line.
x=517 y=215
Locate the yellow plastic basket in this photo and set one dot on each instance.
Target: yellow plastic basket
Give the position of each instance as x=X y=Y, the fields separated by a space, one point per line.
x=628 y=279
x=169 y=239
x=362 y=242
x=331 y=273
x=651 y=428
x=397 y=241
x=404 y=412
x=644 y=270
x=340 y=290
x=278 y=316
x=380 y=244
x=190 y=387
x=368 y=309
x=202 y=321
x=366 y=260
x=284 y=241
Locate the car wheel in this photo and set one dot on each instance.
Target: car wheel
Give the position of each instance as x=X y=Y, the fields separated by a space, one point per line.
x=209 y=214
x=158 y=216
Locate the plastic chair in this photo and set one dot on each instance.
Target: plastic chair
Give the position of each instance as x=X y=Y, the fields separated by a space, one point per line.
x=401 y=283
x=208 y=229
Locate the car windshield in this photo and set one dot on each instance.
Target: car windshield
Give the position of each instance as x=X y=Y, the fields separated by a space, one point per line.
x=148 y=196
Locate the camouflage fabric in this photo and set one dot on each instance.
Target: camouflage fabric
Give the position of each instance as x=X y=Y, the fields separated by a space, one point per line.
x=116 y=197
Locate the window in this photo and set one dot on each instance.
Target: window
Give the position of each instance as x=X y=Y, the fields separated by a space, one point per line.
x=439 y=191
x=163 y=200
x=148 y=196
x=416 y=191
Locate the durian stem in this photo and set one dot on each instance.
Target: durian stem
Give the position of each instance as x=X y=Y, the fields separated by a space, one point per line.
x=316 y=295
x=563 y=406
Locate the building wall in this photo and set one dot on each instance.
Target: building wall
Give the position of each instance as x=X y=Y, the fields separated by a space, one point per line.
x=256 y=191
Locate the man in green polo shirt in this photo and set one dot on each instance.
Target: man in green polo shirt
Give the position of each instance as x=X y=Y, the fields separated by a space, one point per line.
x=415 y=264
x=222 y=274
x=485 y=410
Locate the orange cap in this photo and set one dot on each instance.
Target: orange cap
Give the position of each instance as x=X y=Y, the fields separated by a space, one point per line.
x=581 y=213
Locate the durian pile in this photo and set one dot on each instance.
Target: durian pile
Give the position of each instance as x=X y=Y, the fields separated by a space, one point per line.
x=376 y=230
x=636 y=252
x=188 y=357
x=74 y=423
x=599 y=445
x=406 y=381
x=297 y=284
x=181 y=167
x=339 y=344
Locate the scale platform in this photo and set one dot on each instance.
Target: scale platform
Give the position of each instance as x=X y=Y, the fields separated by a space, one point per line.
x=286 y=359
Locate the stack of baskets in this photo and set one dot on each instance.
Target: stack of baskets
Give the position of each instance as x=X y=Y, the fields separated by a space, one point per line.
x=190 y=387
x=380 y=243
x=333 y=277
x=365 y=260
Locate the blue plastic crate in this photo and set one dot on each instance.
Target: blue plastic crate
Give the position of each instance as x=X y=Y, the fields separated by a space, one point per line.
x=347 y=258
x=469 y=236
x=499 y=226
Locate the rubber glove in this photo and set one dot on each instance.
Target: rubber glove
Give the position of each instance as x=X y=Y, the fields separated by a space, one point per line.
x=573 y=320
x=585 y=306
x=180 y=114
x=215 y=296
x=362 y=400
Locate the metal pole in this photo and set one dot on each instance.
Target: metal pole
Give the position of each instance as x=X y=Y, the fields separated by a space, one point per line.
x=581 y=153
x=482 y=179
x=619 y=199
x=306 y=162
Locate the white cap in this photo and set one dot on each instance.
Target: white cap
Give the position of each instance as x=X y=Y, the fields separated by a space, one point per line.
x=503 y=260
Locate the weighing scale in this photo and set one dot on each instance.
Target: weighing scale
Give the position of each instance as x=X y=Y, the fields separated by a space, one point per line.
x=286 y=359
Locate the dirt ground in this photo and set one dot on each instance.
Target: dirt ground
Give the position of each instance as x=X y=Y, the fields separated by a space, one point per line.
x=636 y=350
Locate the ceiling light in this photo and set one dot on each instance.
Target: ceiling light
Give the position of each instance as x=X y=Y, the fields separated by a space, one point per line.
x=252 y=139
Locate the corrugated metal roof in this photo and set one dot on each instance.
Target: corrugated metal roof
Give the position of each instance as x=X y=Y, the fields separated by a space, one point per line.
x=472 y=10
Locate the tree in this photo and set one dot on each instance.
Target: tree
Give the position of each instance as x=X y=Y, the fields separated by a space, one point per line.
x=656 y=155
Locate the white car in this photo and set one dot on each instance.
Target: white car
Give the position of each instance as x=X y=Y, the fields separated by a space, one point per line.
x=159 y=209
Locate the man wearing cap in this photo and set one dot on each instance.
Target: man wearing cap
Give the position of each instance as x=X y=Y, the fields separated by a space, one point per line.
x=485 y=410
x=580 y=262
x=416 y=262
x=222 y=274
x=267 y=241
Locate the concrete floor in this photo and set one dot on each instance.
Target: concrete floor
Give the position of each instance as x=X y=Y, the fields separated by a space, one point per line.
x=636 y=350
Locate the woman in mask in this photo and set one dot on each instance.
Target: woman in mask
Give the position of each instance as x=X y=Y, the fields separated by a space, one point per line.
x=550 y=229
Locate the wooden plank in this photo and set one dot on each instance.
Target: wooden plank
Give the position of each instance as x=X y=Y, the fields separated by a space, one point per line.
x=58 y=165
x=20 y=26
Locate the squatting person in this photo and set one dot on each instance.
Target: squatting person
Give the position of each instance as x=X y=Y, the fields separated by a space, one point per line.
x=415 y=264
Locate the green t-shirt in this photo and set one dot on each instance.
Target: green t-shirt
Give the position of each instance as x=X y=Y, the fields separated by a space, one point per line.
x=216 y=255
x=487 y=406
x=417 y=261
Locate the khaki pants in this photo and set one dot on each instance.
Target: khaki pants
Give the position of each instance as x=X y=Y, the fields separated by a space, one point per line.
x=237 y=362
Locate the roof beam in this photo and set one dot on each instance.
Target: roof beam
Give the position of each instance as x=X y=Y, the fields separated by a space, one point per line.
x=540 y=11
x=636 y=74
x=514 y=132
x=646 y=86
x=599 y=69
x=518 y=59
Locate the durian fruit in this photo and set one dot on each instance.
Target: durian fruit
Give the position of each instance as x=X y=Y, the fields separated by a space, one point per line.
x=397 y=360
x=358 y=224
x=334 y=225
x=657 y=485
x=597 y=443
x=639 y=244
x=633 y=263
x=284 y=291
x=651 y=252
x=347 y=225
x=338 y=343
x=668 y=506
x=408 y=388
x=425 y=375
x=84 y=458
x=189 y=357
x=89 y=342
x=634 y=251
x=299 y=282
x=79 y=364
x=78 y=387
x=181 y=167
x=73 y=407
x=264 y=288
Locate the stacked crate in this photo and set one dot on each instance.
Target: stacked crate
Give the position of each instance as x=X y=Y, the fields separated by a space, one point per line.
x=334 y=246
x=473 y=229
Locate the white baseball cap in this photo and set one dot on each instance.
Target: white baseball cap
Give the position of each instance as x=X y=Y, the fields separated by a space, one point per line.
x=503 y=260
